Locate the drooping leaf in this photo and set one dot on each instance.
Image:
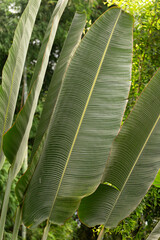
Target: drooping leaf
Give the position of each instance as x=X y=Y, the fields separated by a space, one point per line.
x=71 y=43
x=16 y=139
x=85 y=120
x=13 y=69
x=133 y=163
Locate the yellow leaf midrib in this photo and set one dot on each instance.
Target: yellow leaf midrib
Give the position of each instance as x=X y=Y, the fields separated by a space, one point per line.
x=84 y=111
x=147 y=139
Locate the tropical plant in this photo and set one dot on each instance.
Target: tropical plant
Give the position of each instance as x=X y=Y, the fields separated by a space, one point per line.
x=80 y=119
x=11 y=77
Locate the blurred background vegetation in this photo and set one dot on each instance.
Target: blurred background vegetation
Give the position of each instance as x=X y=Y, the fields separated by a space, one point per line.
x=146 y=60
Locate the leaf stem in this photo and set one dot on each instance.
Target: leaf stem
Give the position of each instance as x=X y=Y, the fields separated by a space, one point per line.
x=24 y=168
x=17 y=223
x=101 y=235
x=46 y=230
x=2 y=159
x=5 y=204
x=24 y=232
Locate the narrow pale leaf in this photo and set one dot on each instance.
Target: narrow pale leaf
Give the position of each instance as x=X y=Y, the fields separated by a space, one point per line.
x=85 y=120
x=133 y=163
x=70 y=44
x=13 y=69
x=16 y=139
x=155 y=234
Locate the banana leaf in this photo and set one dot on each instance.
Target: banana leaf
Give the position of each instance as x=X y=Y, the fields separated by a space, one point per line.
x=73 y=38
x=132 y=165
x=13 y=69
x=84 y=121
x=16 y=139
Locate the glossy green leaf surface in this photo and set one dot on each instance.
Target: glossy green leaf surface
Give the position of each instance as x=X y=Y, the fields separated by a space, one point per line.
x=16 y=139
x=133 y=163
x=85 y=120
x=73 y=38
x=13 y=69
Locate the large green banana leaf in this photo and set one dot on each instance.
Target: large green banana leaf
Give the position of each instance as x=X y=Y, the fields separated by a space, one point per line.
x=155 y=234
x=133 y=163
x=73 y=38
x=84 y=122
x=13 y=69
x=70 y=45
x=16 y=139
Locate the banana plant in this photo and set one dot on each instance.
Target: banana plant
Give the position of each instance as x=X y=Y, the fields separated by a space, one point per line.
x=80 y=120
x=81 y=117
x=11 y=77
x=16 y=138
x=70 y=45
x=13 y=69
x=132 y=165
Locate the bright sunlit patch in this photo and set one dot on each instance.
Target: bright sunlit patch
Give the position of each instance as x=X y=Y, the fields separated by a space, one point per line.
x=131 y=6
x=14 y=9
x=111 y=185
